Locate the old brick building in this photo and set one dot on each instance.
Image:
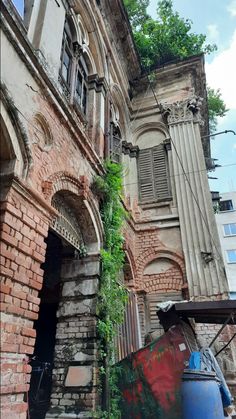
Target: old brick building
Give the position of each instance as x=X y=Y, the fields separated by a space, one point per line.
x=72 y=95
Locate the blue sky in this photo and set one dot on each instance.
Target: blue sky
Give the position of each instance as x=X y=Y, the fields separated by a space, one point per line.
x=217 y=19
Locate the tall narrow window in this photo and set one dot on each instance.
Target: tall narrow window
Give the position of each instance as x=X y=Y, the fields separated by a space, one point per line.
x=81 y=91
x=67 y=54
x=153 y=175
x=74 y=69
x=115 y=143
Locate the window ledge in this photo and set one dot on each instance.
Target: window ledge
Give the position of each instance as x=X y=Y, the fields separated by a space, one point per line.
x=156 y=204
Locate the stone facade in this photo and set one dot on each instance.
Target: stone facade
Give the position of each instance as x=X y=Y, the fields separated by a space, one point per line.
x=73 y=94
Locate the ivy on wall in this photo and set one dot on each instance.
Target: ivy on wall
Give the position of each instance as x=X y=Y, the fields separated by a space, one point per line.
x=112 y=295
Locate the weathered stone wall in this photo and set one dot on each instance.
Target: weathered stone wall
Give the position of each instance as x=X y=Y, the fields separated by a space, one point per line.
x=54 y=149
x=75 y=362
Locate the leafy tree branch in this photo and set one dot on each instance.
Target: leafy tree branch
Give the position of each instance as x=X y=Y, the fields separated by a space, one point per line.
x=169 y=37
x=165 y=38
x=216 y=107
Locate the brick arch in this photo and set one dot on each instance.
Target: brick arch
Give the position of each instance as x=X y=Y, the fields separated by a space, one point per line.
x=150 y=255
x=88 y=213
x=65 y=181
x=131 y=261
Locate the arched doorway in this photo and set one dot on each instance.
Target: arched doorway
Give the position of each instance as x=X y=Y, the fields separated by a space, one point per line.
x=43 y=356
x=65 y=356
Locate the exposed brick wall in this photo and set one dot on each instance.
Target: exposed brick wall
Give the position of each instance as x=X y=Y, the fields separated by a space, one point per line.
x=144 y=246
x=170 y=280
x=64 y=153
x=23 y=228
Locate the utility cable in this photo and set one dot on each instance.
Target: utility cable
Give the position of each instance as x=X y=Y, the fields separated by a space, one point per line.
x=182 y=174
x=189 y=183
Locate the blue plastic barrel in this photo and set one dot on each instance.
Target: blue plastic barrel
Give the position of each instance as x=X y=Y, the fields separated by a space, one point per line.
x=201 y=397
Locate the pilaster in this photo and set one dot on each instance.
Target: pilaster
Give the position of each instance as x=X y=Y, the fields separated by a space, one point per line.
x=204 y=264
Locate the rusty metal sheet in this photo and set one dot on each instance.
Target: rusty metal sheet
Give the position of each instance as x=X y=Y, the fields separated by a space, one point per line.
x=150 y=379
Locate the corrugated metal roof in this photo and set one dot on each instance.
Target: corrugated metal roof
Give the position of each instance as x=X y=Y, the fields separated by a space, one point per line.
x=215 y=312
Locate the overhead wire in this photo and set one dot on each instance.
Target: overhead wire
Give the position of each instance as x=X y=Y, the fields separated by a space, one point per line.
x=187 y=173
x=190 y=186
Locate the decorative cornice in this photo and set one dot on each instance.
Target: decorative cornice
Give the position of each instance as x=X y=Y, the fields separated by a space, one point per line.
x=183 y=111
x=130 y=149
x=99 y=84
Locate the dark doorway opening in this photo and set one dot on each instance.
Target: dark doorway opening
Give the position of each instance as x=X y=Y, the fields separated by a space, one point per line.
x=42 y=359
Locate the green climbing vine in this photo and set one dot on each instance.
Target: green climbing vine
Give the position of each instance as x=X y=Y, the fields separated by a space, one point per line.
x=112 y=296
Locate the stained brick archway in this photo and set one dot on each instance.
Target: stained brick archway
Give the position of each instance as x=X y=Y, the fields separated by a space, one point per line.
x=78 y=193
x=151 y=254
x=26 y=220
x=75 y=354
x=161 y=277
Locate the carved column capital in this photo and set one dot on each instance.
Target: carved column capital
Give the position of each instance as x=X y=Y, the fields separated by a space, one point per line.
x=183 y=111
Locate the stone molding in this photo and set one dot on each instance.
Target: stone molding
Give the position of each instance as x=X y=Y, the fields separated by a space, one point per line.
x=183 y=111
x=130 y=149
x=20 y=130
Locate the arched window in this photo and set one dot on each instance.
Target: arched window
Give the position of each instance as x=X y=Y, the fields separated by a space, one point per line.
x=115 y=146
x=74 y=69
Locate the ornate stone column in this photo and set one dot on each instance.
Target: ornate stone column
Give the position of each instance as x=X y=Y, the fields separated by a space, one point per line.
x=204 y=263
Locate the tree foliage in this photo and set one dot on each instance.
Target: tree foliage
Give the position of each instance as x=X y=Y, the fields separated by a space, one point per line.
x=165 y=38
x=216 y=107
x=169 y=37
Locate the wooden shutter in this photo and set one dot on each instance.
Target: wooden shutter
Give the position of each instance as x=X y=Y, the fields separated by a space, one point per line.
x=153 y=174
x=145 y=173
x=160 y=173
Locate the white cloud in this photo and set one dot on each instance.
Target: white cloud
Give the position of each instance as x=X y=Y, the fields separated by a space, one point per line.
x=212 y=33
x=232 y=8
x=221 y=73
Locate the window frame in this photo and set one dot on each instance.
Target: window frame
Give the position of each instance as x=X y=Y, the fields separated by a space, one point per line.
x=82 y=69
x=112 y=148
x=77 y=67
x=230 y=229
x=226 y=210
x=156 y=171
x=228 y=257
x=67 y=47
